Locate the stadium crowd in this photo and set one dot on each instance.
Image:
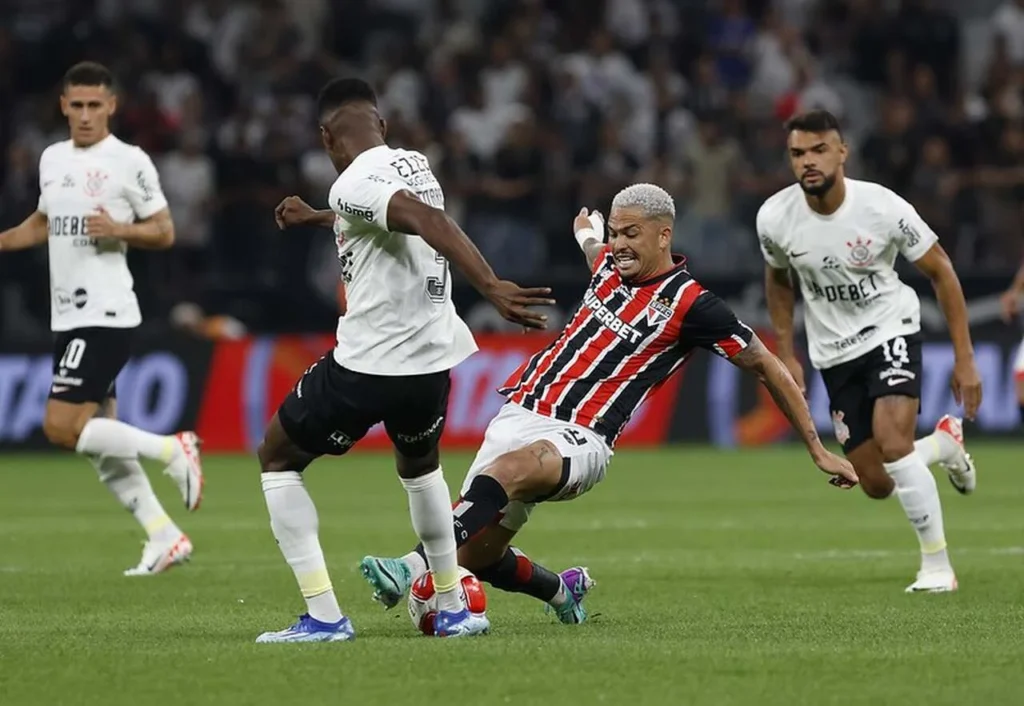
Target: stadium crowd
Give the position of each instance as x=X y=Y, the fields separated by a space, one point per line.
x=526 y=109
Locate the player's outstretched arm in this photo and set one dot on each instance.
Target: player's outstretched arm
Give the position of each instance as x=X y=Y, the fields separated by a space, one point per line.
x=780 y=297
x=29 y=233
x=153 y=233
x=408 y=214
x=757 y=359
x=966 y=383
x=1011 y=297
x=293 y=211
x=589 y=230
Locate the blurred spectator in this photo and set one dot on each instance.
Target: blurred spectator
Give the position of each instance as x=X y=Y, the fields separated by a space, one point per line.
x=890 y=153
x=1008 y=26
x=189 y=182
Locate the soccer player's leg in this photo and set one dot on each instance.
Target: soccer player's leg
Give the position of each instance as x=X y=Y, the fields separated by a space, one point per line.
x=166 y=545
x=320 y=416
x=85 y=365
x=414 y=421
x=894 y=420
x=525 y=459
x=491 y=556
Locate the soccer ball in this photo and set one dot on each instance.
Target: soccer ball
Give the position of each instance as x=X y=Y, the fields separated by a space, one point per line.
x=423 y=603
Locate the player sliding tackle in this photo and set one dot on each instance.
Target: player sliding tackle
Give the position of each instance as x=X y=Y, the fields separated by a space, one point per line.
x=841 y=237
x=642 y=317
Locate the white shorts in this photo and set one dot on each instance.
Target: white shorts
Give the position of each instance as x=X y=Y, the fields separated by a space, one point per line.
x=585 y=456
x=1018 y=364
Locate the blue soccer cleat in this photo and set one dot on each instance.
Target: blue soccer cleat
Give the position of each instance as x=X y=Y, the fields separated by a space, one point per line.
x=460 y=624
x=309 y=629
x=390 y=579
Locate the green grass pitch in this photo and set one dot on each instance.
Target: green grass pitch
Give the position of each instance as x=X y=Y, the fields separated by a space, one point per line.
x=724 y=578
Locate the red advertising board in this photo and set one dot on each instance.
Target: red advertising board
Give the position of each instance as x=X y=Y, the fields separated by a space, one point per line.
x=248 y=379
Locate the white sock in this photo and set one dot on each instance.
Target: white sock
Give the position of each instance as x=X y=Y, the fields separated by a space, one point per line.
x=935 y=447
x=416 y=563
x=126 y=479
x=295 y=524
x=430 y=508
x=919 y=496
x=110 y=437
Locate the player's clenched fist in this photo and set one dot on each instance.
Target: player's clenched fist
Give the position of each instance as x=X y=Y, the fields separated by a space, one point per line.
x=101 y=225
x=293 y=211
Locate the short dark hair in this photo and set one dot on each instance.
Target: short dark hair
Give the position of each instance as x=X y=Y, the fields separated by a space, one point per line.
x=340 y=91
x=88 y=73
x=814 y=121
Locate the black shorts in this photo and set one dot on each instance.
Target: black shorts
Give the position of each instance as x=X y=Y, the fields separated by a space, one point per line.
x=893 y=368
x=331 y=408
x=86 y=362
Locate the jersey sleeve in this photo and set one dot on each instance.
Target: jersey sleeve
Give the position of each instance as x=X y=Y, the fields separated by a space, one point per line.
x=712 y=325
x=41 y=206
x=912 y=235
x=773 y=253
x=143 y=187
x=365 y=197
x=599 y=260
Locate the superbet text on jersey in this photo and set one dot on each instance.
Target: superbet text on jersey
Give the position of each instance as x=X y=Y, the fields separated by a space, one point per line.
x=90 y=283
x=625 y=340
x=854 y=299
x=400 y=319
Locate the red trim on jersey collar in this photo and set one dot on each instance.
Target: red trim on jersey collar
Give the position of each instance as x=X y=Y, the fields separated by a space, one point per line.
x=678 y=263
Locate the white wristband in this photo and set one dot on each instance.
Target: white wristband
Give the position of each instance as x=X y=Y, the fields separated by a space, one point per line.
x=582 y=236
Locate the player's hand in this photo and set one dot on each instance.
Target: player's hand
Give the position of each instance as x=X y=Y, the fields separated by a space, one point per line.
x=966 y=384
x=513 y=303
x=1010 y=304
x=796 y=369
x=293 y=211
x=101 y=225
x=582 y=221
x=841 y=470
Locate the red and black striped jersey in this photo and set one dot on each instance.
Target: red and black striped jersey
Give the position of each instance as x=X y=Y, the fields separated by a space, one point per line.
x=622 y=343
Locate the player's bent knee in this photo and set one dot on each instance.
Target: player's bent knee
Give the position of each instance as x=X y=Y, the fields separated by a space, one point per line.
x=60 y=433
x=415 y=467
x=62 y=427
x=894 y=448
x=876 y=488
x=528 y=472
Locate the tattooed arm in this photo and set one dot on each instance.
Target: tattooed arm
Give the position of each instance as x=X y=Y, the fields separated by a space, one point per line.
x=709 y=323
x=757 y=359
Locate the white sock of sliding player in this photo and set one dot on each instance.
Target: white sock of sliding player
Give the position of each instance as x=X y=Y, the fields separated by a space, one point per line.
x=295 y=523
x=919 y=496
x=430 y=508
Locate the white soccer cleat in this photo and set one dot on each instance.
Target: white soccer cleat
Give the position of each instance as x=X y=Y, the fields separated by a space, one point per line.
x=157 y=558
x=940 y=581
x=959 y=466
x=187 y=469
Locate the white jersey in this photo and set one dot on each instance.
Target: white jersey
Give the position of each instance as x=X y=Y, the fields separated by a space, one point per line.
x=853 y=298
x=90 y=283
x=400 y=319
